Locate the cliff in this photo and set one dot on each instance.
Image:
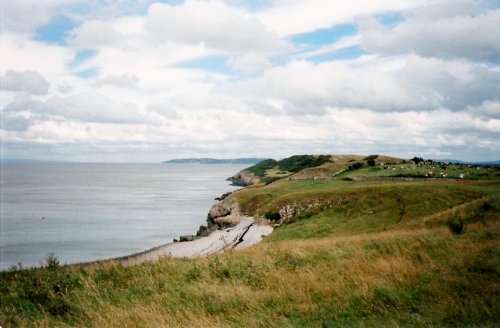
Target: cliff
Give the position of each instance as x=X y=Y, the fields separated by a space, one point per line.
x=244 y=179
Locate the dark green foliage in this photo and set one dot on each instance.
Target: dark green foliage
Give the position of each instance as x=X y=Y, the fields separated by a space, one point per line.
x=272 y=216
x=260 y=169
x=356 y=166
x=35 y=291
x=455 y=224
x=371 y=157
x=52 y=261
x=371 y=162
x=300 y=162
x=417 y=160
x=291 y=164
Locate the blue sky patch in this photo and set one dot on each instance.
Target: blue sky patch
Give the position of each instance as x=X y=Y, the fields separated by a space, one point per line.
x=56 y=30
x=325 y=36
x=82 y=55
x=88 y=73
x=390 y=19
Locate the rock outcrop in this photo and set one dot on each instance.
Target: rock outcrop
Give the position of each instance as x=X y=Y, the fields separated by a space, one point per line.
x=223 y=214
x=243 y=179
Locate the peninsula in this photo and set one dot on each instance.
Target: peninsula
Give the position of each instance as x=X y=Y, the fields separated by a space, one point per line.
x=248 y=161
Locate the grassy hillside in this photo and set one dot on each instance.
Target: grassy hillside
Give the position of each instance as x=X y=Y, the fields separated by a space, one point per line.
x=356 y=167
x=371 y=253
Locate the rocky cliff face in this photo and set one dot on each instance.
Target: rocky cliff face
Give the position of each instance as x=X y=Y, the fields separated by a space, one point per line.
x=243 y=179
x=223 y=214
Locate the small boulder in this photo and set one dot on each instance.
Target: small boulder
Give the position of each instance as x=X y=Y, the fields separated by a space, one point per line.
x=187 y=238
x=203 y=231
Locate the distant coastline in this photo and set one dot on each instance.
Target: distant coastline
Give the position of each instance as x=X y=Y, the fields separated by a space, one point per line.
x=215 y=161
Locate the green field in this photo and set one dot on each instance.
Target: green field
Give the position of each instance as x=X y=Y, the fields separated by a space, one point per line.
x=363 y=253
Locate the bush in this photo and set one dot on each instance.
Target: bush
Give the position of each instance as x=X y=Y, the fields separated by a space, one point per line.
x=456 y=225
x=260 y=168
x=52 y=261
x=272 y=216
x=356 y=166
x=371 y=162
x=300 y=162
x=417 y=160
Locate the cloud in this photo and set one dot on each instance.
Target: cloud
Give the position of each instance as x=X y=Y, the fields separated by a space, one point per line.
x=293 y=17
x=486 y=111
x=27 y=81
x=402 y=83
x=94 y=34
x=24 y=16
x=250 y=62
x=158 y=93
x=16 y=123
x=123 y=80
x=464 y=36
x=21 y=54
x=83 y=107
x=211 y=23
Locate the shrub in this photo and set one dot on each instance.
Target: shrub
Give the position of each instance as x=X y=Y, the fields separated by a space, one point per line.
x=356 y=166
x=300 y=162
x=260 y=168
x=367 y=158
x=417 y=160
x=52 y=261
x=371 y=162
x=456 y=224
x=272 y=216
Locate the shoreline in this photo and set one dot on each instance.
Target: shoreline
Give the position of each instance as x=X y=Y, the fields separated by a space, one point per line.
x=245 y=234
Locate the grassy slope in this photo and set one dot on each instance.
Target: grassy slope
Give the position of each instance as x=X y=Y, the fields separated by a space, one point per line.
x=372 y=253
x=336 y=166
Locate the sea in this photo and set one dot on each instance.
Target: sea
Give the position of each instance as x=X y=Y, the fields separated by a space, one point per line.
x=83 y=212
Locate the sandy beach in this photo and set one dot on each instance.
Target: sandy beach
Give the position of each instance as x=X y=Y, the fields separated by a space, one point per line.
x=244 y=234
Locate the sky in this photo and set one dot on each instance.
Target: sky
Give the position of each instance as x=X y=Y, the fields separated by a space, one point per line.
x=147 y=81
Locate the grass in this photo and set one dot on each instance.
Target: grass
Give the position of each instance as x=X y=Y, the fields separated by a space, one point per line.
x=453 y=171
x=364 y=254
x=270 y=170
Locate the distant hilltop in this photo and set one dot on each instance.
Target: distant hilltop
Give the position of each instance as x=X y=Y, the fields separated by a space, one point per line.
x=215 y=161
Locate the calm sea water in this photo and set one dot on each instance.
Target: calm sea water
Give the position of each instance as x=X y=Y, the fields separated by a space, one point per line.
x=84 y=212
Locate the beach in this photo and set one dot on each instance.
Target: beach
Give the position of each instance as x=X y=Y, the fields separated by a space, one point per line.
x=246 y=233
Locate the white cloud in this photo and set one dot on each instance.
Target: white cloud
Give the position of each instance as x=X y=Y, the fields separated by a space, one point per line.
x=24 y=16
x=154 y=94
x=487 y=110
x=213 y=24
x=474 y=37
x=300 y=16
x=124 y=80
x=14 y=122
x=403 y=83
x=95 y=34
x=21 y=54
x=27 y=81
x=250 y=62
x=83 y=107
